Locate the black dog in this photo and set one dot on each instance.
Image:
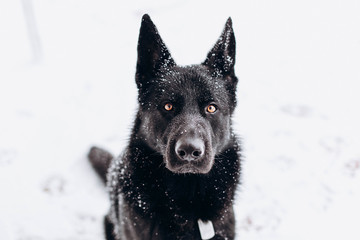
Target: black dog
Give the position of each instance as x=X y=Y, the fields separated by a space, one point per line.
x=178 y=175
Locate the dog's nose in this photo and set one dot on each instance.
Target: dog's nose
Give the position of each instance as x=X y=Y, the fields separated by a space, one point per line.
x=189 y=149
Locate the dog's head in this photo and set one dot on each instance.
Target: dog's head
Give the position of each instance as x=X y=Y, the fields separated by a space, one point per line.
x=185 y=112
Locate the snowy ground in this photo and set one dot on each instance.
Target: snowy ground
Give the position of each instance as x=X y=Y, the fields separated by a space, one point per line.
x=299 y=68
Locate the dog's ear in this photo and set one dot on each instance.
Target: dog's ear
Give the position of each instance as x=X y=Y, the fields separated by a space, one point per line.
x=221 y=58
x=153 y=55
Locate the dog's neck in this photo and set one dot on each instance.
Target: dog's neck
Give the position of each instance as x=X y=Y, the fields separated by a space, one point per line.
x=190 y=196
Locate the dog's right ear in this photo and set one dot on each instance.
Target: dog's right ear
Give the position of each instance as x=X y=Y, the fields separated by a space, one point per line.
x=153 y=55
x=221 y=58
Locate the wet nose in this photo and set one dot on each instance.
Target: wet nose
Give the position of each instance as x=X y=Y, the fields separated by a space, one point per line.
x=189 y=149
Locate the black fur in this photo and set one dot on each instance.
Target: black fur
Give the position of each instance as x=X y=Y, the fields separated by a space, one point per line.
x=182 y=163
x=100 y=160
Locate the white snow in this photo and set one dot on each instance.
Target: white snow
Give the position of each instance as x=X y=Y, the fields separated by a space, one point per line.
x=298 y=63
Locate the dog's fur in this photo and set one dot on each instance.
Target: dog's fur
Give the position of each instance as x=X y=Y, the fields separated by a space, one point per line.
x=182 y=162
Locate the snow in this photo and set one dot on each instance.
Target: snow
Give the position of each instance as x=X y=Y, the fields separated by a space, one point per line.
x=298 y=64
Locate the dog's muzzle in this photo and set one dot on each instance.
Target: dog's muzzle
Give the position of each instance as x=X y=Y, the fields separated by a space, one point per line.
x=189 y=149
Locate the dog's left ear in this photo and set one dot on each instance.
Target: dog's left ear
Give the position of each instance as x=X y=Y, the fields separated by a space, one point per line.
x=221 y=58
x=153 y=55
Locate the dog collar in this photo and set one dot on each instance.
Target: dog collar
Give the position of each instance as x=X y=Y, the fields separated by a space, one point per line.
x=206 y=229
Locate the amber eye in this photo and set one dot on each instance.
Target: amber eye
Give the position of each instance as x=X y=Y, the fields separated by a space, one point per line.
x=168 y=107
x=211 y=108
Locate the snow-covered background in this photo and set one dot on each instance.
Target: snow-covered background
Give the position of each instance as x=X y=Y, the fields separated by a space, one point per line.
x=71 y=85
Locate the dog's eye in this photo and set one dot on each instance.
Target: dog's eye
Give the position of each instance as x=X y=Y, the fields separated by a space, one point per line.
x=211 y=108
x=168 y=107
